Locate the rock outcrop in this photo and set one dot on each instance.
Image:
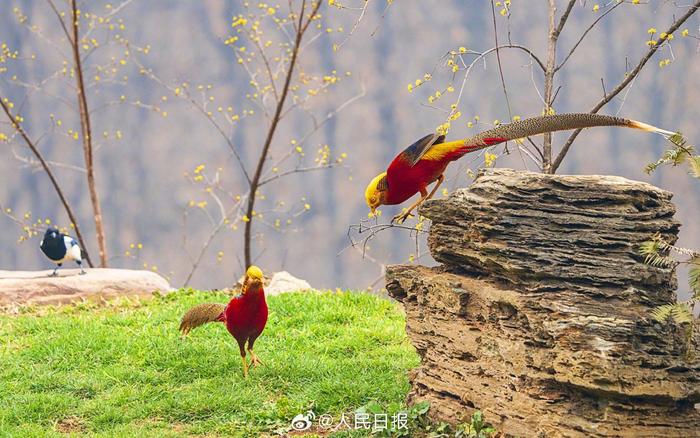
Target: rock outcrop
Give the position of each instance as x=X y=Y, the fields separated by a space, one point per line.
x=539 y=314
x=283 y=282
x=278 y=283
x=36 y=287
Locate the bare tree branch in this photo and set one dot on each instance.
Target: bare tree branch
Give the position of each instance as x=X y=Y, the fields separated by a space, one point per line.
x=207 y=243
x=148 y=72
x=60 y=20
x=54 y=182
x=373 y=230
x=355 y=25
x=583 y=36
x=498 y=57
x=315 y=128
x=255 y=182
x=626 y=81
x=36 y=164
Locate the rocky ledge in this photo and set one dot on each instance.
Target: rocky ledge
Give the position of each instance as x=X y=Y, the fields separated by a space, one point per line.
x=539 y=314
x=36 y=287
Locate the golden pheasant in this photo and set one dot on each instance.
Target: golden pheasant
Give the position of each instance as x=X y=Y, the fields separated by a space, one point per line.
x=425 y=161
x=245 y=316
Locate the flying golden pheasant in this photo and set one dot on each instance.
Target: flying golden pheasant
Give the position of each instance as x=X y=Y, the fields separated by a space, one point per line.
x=425 y=161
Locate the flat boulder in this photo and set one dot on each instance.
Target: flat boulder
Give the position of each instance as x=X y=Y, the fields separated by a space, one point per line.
x=36 y=287
x=282 y=282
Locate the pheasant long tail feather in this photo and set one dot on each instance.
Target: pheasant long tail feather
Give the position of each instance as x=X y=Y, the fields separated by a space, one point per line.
x=559 y=122
x=200 y=315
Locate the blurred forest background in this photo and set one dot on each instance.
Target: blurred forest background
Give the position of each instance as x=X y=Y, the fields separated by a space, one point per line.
x=150 y=141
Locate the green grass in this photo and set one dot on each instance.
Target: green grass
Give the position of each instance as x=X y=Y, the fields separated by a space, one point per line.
x=122 y=370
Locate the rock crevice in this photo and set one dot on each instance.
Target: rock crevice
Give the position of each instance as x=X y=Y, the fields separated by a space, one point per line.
x=539 y=314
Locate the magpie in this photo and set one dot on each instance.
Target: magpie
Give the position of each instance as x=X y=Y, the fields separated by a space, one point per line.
x=60 y=248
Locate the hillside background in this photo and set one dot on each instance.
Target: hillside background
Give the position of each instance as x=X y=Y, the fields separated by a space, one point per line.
x=140 y=175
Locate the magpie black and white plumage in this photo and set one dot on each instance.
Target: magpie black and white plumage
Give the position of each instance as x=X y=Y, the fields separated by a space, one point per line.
x=60 y=248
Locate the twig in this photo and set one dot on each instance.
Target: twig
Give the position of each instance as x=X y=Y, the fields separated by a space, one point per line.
x=315 y=128
x=60 y=20
x=624 y=96
x=203 y=111
x=519 y=47
x=573 y=49
x=602 y=84
x=33 y=163
x=498 y=57
x=626 y=81
x=255 y=182
x=354 y=26
x=481 y=56
x=195 y=264
x=373 y=230
x=18 y=127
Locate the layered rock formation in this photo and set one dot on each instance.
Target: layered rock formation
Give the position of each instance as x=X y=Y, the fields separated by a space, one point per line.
x=539 y=315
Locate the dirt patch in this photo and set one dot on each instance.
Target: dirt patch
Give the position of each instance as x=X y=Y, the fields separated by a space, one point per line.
x=70 y=424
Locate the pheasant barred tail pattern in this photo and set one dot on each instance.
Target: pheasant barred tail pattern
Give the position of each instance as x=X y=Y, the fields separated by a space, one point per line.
x=200 y=315
x=558 y=122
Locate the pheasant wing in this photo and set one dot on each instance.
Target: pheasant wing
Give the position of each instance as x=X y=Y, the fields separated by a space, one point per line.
x=413 y=153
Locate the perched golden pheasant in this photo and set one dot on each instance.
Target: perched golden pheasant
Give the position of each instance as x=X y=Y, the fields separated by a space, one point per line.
x=245 y=315
x=425 y=161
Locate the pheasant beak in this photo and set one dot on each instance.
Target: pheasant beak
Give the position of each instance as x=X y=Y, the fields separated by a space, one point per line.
x=373 y=196
x=253 y=278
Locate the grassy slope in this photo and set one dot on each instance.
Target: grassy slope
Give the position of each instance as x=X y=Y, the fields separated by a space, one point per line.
x=122 y=370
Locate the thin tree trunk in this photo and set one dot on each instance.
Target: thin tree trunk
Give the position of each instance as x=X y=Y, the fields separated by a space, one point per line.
x=87 y=136
x=255 y=182
x=549 y=86
x=550 y=71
